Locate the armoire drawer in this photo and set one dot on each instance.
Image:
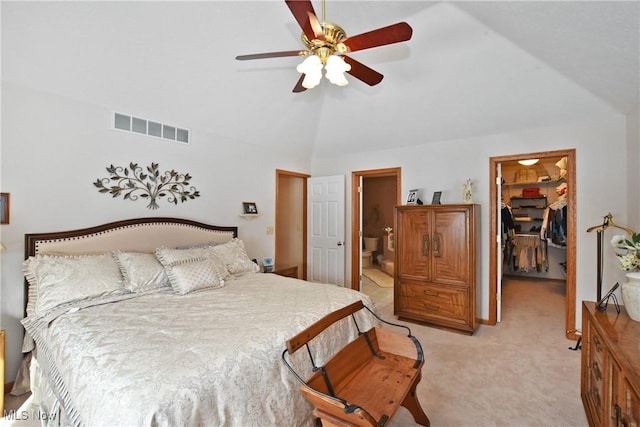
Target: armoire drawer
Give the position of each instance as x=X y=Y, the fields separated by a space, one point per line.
x=432 y=301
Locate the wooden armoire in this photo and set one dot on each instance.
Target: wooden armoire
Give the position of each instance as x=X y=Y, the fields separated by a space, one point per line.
x=436 y=265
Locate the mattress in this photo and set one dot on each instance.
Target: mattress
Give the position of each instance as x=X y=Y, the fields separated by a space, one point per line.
x=211 y=357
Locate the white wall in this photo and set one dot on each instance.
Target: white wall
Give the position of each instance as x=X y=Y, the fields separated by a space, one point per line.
x=633 y=168
x=601 y=177
x=54 y=148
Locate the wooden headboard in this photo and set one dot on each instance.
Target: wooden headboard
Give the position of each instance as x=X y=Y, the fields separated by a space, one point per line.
x=136 y=235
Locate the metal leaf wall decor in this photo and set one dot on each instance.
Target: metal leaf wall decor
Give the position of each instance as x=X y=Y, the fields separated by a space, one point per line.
x=135 y=182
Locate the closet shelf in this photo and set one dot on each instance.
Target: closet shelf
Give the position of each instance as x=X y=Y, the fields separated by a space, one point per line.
x=514 y=208
x=533 y=183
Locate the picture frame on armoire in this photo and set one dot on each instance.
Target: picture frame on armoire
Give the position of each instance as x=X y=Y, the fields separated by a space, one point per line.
x=412 y=198
x=436 y=197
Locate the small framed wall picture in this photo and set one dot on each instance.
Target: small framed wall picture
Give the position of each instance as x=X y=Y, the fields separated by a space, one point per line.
x=4 y=208
x=436 y=197
x=412 y=198
x=250 y=208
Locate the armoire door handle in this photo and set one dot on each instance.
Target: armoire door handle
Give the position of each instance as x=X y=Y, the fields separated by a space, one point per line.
x=426 y=242
x=436 y=245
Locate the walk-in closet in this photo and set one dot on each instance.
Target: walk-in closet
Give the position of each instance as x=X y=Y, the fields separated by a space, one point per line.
x=533 y=214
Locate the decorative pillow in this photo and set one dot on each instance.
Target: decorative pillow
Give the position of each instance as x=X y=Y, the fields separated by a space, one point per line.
x=198 y=245
x=193 y=275
x=235 y=258
x=141 y=272
x=168 y=257
x=55 y=281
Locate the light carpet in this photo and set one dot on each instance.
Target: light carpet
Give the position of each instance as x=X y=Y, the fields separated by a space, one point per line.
x=518 y=373
x=378 y=277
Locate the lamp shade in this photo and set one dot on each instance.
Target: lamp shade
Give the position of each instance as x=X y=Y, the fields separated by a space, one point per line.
x=311 y=67
x=528 y=162
x=335 y=69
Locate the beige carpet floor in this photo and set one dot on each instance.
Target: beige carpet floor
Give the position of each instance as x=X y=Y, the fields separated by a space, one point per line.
x=518 y=373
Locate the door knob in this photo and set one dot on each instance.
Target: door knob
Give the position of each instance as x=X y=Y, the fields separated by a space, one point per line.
x=339 y=243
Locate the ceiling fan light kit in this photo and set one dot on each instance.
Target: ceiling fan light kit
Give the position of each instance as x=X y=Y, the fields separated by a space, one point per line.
x=327 y=45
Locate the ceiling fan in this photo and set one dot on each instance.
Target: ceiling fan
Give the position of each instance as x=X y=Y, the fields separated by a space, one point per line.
x=327 y=45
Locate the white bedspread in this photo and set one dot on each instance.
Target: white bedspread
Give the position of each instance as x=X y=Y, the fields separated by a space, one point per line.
x=209 y=358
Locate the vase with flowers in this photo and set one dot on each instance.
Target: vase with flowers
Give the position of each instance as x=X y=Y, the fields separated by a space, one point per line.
x=628 y=252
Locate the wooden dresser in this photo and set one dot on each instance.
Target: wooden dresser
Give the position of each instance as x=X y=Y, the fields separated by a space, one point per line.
x=435 y=265
x=610 y=370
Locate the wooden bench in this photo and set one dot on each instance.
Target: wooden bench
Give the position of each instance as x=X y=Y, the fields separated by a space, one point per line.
x=366 y=381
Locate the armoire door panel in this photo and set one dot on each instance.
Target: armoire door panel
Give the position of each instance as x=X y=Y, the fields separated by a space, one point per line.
x=451 y=247
x=415 y=252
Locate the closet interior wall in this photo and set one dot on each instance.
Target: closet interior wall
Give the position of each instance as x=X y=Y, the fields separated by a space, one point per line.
x=520 y=181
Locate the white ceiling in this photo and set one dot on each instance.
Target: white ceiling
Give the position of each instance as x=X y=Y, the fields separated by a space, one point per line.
x=471 y=68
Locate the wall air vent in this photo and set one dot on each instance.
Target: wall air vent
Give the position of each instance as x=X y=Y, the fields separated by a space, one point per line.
x=129 y=123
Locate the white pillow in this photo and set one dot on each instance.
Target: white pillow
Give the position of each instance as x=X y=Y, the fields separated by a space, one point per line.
x=141 y=272
x=55 y=281
x=168 y=257
x=235 y=258
x=193 y=275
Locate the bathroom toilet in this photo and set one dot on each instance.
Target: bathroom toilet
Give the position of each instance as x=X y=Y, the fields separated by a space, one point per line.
x=370 y=246
x=371 y=243
x=366 y=258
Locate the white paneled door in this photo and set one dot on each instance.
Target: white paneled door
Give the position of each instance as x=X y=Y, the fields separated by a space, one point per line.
x=325 y=213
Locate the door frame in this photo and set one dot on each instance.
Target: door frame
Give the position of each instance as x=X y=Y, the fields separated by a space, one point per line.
x=355 y=213
x=278 y=208
x=570 y=293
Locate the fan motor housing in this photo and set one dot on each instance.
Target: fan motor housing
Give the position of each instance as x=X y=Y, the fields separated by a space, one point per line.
x=333 y=36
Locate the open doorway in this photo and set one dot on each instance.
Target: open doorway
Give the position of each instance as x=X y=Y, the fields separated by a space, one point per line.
x=375 y=194
x=291 y=223
x=530 y=197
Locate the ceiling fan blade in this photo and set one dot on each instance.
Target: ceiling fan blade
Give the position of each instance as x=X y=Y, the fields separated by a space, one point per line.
x=298 y=87
x=362 y=72
x=315 y=26
x=395 y=33
x=270 y=55
x=300 y=10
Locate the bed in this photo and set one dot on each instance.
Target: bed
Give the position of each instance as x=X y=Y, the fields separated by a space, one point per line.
x=184 y=330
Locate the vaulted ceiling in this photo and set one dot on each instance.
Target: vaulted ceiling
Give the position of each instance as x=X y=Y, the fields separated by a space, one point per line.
x=471 y=68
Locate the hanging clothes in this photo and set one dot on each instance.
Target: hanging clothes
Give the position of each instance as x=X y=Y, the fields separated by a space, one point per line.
x=507 y=219
x=530 y=253
x=555 y=222
x=508 y=233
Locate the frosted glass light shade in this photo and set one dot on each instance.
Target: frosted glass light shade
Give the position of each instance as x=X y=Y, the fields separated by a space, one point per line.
x=335 y=69
x=311 y=67
x=528 y=162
